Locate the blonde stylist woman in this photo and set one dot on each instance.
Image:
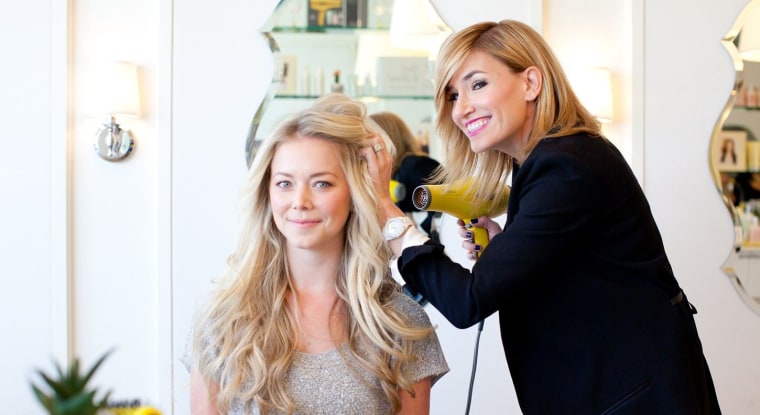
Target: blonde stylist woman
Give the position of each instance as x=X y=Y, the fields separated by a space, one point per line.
x=592 y=318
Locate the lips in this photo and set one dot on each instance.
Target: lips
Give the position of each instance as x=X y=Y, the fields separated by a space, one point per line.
x=303 y=222
x=476 y=125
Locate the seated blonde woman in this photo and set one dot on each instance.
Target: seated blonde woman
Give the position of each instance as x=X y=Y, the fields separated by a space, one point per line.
x=307 y=319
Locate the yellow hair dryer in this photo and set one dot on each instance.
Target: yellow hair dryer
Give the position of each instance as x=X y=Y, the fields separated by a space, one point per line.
x=398 y=191
x=457 y=199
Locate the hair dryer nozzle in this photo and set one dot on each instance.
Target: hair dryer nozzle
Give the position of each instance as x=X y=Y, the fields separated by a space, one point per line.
x=421 y=198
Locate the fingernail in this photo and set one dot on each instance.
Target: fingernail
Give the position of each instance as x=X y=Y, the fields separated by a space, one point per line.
x=468 y=226
x=468 y=234
x=473 y=221
x=478 y=248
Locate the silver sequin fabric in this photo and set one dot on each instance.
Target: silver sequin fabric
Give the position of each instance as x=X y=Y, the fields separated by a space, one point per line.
x=324 y=384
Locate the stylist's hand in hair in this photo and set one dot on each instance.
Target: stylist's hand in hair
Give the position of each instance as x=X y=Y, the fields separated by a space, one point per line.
x=379 y=165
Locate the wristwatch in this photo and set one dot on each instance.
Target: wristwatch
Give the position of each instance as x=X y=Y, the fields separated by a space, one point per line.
x=396 y=226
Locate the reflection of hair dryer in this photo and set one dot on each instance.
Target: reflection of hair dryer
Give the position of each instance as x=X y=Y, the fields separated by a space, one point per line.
x=398 y=191
x=457 y=199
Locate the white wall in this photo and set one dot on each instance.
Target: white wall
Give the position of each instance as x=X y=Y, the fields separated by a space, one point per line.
x=27 y=245
x=115 y=205
x=586 y=48
x=147 y=235
x=221 y=70
x=689 y=77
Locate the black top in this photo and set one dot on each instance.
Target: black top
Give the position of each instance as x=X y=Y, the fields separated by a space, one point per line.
x=744 y=189
x=587 y=300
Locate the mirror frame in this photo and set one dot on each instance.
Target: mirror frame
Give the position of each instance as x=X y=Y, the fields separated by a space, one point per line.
x=250 y=144
x=728 y=42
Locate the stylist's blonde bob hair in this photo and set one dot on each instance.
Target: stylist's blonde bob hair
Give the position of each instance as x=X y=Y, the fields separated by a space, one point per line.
x=252 y=328
x=558 y=110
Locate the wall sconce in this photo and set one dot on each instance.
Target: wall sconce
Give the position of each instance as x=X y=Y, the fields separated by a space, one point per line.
x=749 y=37
x=594 y=88
x=118 y=95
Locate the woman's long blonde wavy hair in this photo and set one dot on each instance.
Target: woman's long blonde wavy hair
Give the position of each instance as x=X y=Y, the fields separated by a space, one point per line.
x=246 y=339
x=558 y=110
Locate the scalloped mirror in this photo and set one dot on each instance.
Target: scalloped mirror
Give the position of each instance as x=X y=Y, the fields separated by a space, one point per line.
x=379 y=51
x=735 y=155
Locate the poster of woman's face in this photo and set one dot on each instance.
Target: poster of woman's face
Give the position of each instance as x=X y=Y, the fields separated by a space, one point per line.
x=729 y=151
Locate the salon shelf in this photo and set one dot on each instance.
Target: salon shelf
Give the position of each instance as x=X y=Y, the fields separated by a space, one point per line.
x=364 y=97
x=324 y=29
x=749 y=250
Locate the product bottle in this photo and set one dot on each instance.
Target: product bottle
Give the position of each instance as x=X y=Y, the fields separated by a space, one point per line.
x=754 y=230
x=305 y=85
x=367 y=89
x=746 y=220
x=319 y=82
x=336 y=86
x=350 y=82
x=741 y=96
x=752 y=97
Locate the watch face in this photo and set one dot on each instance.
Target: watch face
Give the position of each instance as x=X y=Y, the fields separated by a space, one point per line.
x=395 y=227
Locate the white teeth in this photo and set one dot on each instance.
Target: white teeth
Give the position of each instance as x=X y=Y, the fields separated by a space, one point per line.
x=477 y=124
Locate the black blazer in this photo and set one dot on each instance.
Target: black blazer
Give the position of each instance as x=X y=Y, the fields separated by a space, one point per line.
x=592 y=319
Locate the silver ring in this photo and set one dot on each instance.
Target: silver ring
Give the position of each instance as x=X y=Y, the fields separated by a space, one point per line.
x=378 y=147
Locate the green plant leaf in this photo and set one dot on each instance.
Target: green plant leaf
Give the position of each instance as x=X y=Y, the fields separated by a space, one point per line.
x=72 y=377
x=95 y=366
x=59 y=388
x=59 y=370
x=44 y=399
x=69 y=392
x=78 y=404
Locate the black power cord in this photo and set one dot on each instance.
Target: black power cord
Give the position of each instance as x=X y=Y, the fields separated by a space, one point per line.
x=474 y=367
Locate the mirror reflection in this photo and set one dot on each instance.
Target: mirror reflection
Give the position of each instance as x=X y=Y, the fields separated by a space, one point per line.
x=379 y=51
x=735 y=154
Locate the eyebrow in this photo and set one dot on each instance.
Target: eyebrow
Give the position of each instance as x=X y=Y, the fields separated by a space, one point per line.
x=467 y=77
x=311 y=176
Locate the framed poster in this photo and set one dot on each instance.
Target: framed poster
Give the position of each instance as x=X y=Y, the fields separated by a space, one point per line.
x=403 y=76
x=729 y=151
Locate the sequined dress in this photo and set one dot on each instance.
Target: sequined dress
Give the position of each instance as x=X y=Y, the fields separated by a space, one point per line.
x=326 y=384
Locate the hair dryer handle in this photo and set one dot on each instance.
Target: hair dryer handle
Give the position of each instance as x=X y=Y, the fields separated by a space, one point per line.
x=480 y=236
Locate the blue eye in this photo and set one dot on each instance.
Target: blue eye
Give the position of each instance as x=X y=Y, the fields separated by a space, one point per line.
x=283 y=184
x=322 y=184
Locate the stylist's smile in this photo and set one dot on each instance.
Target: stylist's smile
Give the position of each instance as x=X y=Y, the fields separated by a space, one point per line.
x=475 y=126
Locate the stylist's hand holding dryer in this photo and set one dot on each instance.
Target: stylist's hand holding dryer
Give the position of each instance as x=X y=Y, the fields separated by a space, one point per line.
x=592 y=318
